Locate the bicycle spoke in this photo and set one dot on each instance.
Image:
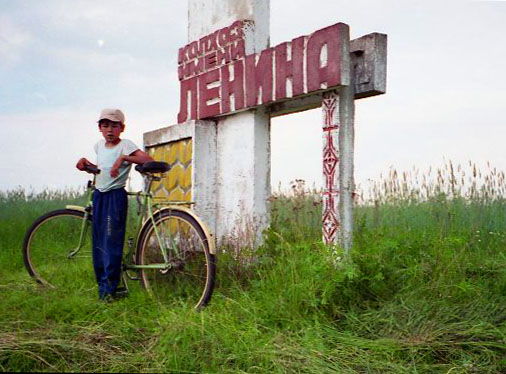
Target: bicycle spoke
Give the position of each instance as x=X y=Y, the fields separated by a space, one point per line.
x=48 y=245
x=190 y=275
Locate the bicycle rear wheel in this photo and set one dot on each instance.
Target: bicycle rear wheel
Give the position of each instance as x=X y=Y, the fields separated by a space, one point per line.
x=54 y=252
x=191 y=268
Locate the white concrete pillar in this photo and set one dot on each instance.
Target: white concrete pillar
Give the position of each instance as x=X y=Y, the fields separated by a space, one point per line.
x=346 y=166
x=204 y=171
x=243 y=139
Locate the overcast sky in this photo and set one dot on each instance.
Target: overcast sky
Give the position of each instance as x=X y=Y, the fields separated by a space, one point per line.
x=62 y=61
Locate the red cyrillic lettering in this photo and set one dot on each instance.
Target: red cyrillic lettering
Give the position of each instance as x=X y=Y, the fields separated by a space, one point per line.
x=292 y=68
x=185 y=53
x=240 y=29
x=234 y=86
x=237 y=50
x=213 y=46
x=188 y=87
x=236 y=31
x=259 y=75
x=193 y=50
x=186 y=69
x=206 y=94
x=210 y=60
x=223 y=37
x=195 y=66
x=331 y=72
x=223 y=56
x=180 y=56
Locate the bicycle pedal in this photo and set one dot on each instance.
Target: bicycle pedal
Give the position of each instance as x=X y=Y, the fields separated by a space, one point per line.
x=120 y=293
x=132 y=277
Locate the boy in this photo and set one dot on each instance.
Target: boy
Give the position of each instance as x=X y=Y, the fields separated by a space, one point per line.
x=114 y=159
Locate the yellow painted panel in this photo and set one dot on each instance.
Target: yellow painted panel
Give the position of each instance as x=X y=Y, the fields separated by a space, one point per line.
x=177 y=182
x=175 y=176
x=160 y=191
x=157 y=153
x=176 y=194
x=175 y=152
x=188 y=195
x=186 y=158
x=186 y=178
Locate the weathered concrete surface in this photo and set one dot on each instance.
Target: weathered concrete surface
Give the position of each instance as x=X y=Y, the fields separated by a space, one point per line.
x=243 y=178
x=168 y=134
x=206 y=16
x=242 y=171
x=369 y=59
x=231 y=155
x=346 y=165
x=204 y=189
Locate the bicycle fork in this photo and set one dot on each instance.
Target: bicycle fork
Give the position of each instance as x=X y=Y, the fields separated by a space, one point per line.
x=82 y=235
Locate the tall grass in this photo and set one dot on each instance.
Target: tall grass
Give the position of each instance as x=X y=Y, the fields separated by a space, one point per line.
x=424 y=292
x=19 y=208
x=453 y=181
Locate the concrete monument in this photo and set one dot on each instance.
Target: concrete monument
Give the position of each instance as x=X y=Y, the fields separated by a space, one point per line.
x=232 y=82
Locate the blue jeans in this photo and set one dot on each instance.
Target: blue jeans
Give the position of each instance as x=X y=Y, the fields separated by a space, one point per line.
x=109 y=222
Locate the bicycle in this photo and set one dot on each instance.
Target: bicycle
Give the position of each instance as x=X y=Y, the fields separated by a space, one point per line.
x=171 y=253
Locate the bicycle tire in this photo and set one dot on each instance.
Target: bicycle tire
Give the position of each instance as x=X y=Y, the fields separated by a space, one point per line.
x=193 y=268
x=47 y=244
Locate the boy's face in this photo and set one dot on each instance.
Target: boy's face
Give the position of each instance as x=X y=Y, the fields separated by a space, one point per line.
x=111 y=130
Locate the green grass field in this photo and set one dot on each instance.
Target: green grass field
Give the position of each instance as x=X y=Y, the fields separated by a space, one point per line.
x=423 y=291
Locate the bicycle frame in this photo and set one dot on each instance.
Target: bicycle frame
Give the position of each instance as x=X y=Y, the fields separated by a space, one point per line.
x=148 y=208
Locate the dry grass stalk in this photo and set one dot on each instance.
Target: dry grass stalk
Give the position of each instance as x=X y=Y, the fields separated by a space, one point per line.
x=453 y=182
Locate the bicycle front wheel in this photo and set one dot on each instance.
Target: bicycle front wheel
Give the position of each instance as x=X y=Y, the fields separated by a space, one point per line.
x=57 y=249
x=189 y=273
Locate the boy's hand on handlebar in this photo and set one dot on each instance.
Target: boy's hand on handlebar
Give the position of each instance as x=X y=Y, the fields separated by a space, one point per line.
x=84 y=165
x=92 y=170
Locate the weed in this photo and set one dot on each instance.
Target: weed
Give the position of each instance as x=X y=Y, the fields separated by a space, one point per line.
x=424 y=291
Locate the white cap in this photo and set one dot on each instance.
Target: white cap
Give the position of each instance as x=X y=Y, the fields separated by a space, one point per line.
x=114 y=115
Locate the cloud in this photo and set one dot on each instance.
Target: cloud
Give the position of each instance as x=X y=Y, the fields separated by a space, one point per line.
x=122 y=23
x=13 y=41
x=44 y=147
x=90 y=53
x=444 y=87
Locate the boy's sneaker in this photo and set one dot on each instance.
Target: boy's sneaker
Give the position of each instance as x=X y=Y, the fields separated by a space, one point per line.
x=105 y=298
x=120 y=293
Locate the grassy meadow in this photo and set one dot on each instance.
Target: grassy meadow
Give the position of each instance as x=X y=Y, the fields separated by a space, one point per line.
x=422 y=291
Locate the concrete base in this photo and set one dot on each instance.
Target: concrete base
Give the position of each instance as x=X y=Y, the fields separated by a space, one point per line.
x=230 y=173
x=203 y=160
x=243 y=176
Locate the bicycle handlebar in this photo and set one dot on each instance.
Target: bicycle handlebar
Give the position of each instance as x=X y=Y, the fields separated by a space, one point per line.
x=91 y=169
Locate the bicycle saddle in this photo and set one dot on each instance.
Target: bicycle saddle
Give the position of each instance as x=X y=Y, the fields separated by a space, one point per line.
x=153 y=167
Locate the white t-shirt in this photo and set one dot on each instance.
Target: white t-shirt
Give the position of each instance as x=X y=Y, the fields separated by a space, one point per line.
x=106 y=158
